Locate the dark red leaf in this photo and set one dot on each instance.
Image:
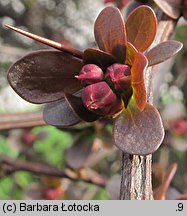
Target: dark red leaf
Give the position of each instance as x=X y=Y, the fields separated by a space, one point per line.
x=171 y=7
x=44 y=76
x=78 y=107
x=60 y=114
x=77 y=155
x=139 y=133
x=98 y=57
x=141 y=27
x=110 y=33
x=137 y=80
x=163 y=51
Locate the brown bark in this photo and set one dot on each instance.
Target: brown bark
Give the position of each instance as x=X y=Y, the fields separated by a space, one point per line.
x=136 y=177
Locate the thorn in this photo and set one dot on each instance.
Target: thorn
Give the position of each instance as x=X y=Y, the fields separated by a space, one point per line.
x=48 y=42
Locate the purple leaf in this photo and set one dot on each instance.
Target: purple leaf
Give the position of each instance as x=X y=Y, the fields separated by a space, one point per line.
x=163 y=51
x=44 y=76
x=110 y=33
x=139 y=133
x=60 y=114
x=98 y=57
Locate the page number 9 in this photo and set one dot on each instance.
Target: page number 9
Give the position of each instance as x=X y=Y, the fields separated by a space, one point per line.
x=180 y=207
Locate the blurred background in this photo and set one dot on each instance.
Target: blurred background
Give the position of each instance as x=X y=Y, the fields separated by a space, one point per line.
x=43 y=162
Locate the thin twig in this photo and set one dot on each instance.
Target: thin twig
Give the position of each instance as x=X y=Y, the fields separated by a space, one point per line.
x=13 y=165
x=160 y=193
x=51 y=43
x=32 y=119
x=21 y=120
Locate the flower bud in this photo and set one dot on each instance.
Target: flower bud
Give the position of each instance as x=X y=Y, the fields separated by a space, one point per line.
x=120 y=76
x=100 y=99
x=90 y=74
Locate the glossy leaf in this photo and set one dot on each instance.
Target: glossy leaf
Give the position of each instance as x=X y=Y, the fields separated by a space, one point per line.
x=130 y=54
x=43 y=76
x=60 y=114
x=98 y=57
x=138 y=133
x=110 y=33
x=78 y=153
x=163 y=51
x=137 y=80
x=170 y=7
x=80 y=110
x=141 y=27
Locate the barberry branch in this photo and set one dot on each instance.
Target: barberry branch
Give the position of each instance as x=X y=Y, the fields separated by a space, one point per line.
x=136 y=171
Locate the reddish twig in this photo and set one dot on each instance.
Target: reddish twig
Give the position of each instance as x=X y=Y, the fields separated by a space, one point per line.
x=12 y=165
x=48 y=42
x=160 y=193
